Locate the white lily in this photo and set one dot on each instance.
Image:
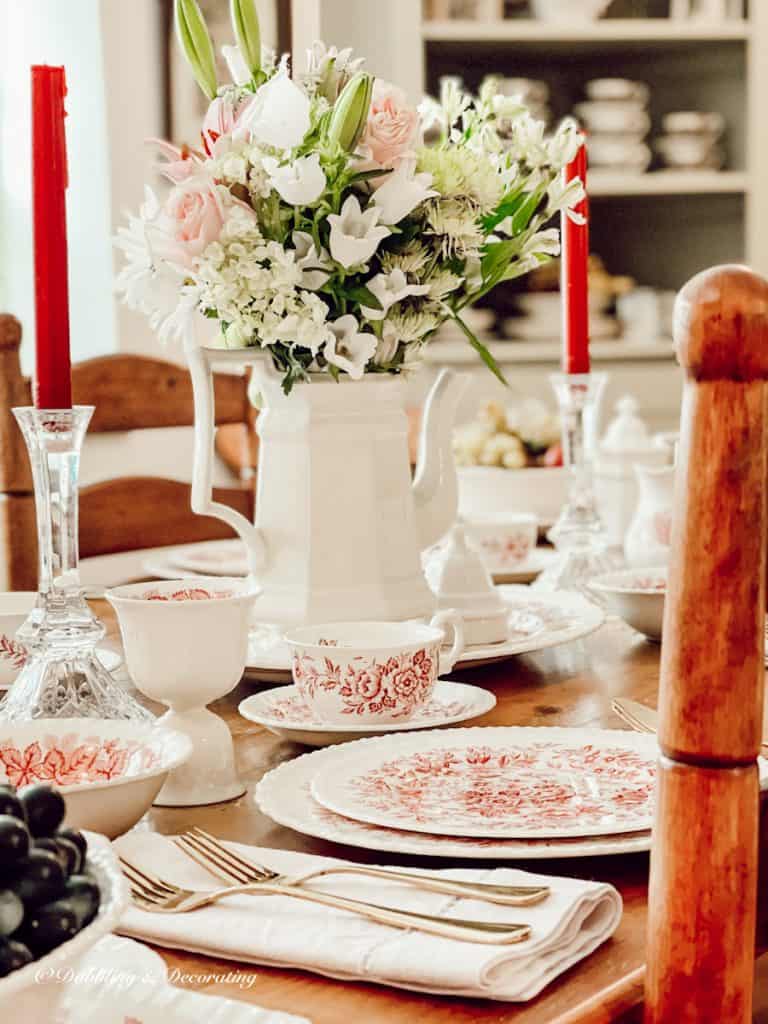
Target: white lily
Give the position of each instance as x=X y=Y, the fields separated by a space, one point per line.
x=389 y=289
x=236 y=65
x=313 y=265
x=278 y=115
x=299 y=183
x=350 y=348
x=355 y=235
x=402 y=192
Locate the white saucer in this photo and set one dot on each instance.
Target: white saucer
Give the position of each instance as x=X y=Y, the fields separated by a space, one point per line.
x=109 y=659
x=536 y=621
x=284 y=713
x=526 y=571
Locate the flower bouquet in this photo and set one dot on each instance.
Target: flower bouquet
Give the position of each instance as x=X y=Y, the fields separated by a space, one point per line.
x=313 y=222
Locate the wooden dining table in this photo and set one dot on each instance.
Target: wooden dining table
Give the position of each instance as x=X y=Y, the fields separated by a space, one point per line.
x=569 y=685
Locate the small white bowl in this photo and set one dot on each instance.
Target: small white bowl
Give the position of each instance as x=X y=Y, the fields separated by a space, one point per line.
x=109 y=772
x=637 y=596
x=627 y=151
x=32 y=994
x=617 y=89
x=612 y=117
x=15 y=606
x=491 y=492
x=681 y=121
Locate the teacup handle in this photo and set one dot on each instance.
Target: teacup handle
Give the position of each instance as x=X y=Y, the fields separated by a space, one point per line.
x=450 y=617
x=199 y=361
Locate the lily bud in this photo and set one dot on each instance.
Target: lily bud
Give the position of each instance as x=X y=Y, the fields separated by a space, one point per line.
x=245 y=22
x=196 y=44
x=350 y=112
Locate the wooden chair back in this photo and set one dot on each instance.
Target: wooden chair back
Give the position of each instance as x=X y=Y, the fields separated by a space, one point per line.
x=128 y=392
x=704 y=863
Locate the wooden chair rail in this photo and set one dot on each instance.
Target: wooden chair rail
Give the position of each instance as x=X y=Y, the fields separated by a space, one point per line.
x=147 y=512
x=135 y=392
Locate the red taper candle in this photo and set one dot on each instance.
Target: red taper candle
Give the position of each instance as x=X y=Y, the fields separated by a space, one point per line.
x=574 y=283
x=53 y=383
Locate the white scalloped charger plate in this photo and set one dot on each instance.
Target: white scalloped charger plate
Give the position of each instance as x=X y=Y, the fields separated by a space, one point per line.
x=284 y=712
x=284 y=795
x=536 y=622
x=504 y=782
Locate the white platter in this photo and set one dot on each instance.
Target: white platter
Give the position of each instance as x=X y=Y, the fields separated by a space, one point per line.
x=505 y=782
x=537 y=621
x=109 y=658
x=283 y=794
x=227 y=558
x=284 y=713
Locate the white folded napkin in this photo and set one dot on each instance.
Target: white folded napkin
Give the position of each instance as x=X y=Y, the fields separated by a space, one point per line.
x=120 y=981
x=284 y=932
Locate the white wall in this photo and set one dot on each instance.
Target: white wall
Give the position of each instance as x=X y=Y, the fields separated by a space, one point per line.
x=52 y=32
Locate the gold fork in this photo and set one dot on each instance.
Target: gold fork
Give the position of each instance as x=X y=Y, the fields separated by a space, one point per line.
x=157 y=896
x=221 y=861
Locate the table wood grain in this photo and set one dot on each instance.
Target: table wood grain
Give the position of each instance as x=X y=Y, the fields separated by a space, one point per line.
x=570 y=685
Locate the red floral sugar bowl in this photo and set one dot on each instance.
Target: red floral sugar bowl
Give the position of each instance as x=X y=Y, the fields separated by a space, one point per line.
x=372 y=671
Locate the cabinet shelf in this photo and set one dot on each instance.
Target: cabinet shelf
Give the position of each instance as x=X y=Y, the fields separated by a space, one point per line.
x=667 y=183
x=608 y=30
x=448 y=350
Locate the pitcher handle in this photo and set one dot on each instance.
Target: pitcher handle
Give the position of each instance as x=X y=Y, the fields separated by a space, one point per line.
x=450 y=618
x=202 y=470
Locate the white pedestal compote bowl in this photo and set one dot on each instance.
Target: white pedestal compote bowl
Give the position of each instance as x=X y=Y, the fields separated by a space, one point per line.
x=185 y=645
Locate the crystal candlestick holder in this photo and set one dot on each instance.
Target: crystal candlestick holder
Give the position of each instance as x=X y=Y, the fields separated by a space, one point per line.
x=582 y=544
x=63 y=677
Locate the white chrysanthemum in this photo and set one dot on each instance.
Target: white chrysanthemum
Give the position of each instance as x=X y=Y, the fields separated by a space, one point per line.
x=455 y=224
x=413 y=324
x=442 y=283
x=460 y=172
x=412 y=258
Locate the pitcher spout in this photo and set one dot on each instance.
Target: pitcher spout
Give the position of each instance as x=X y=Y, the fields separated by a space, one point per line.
x=435 y=487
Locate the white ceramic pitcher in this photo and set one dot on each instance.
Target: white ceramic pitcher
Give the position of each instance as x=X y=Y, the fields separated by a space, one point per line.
x=340 y=526
x=647 y=541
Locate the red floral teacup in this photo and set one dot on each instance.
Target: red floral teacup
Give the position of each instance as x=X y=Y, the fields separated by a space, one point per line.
x=372 y=671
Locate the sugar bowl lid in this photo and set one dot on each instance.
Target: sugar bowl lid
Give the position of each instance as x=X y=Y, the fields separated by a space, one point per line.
x=460 y=580
x=627 y=432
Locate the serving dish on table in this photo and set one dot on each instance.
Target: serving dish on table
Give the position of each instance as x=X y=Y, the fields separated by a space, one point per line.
x=637 y=596
x=535 y=623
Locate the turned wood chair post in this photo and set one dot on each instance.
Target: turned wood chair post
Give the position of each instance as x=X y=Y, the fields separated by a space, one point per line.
x=18 y=533
x=703 y=883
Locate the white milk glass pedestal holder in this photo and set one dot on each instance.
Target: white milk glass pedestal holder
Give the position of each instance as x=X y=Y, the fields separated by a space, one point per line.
x=63 y=677
x=582 y=544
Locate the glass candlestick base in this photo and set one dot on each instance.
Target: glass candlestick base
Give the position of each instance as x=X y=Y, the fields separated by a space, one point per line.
x=63 y=677
x=582 y=545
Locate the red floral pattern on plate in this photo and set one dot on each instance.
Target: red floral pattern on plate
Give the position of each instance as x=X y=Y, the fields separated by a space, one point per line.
x=541 y=788
x=73 y=759
x=655 y=585
x=370 y=686
x=11 y=650
x=186 y=594
x=294 y=711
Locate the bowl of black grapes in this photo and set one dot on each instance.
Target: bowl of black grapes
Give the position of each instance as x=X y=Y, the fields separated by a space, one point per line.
x=61 y=890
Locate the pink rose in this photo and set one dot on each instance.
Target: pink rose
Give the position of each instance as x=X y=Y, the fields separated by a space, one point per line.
x=180 y=163
x=393 y=130
x=220 y=118
x=196 y=215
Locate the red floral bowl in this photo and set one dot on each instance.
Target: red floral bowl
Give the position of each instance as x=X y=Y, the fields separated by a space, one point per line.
x=85 y=758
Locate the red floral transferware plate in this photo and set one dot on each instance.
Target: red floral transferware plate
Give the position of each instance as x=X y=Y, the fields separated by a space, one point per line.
x=503 y=782
x=284 y=712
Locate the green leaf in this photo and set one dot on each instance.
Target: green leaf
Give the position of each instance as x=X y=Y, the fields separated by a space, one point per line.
x=481 y=350
x=362 y=294
x=196 y=44
x=245 y=22
x=368 y=175
x=522 y=217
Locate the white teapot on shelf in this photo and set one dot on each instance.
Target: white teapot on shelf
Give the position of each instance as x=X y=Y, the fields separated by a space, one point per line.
x=339 y=524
